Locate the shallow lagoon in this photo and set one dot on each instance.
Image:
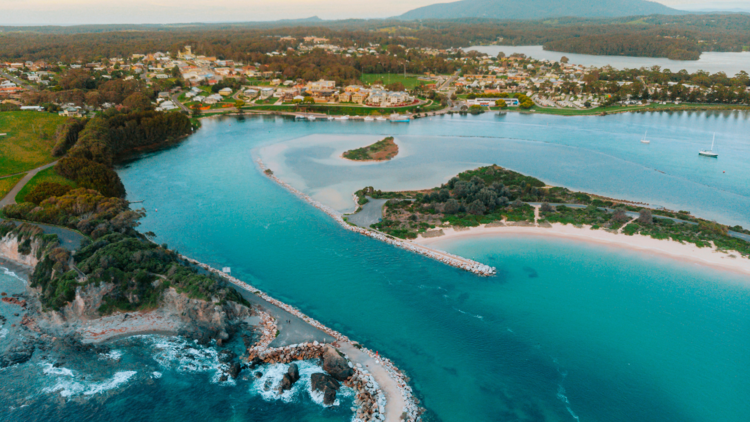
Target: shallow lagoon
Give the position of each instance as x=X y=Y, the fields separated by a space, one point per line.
x=566 y=331
x=596 y=154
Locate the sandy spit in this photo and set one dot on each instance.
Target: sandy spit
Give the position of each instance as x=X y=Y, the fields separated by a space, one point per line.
x=688 y=252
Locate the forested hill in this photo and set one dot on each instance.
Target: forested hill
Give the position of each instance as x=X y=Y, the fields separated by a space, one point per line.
x=539 y=9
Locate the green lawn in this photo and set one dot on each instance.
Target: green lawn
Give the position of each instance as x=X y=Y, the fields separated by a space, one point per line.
x=30 y=136
x=269 y=100
x=410 y=81
x=48 y=175
x=6 y=184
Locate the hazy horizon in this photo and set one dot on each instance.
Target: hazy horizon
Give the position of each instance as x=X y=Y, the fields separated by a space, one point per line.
x=56 y=12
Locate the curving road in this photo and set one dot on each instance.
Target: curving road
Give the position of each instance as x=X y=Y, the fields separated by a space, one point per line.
x=10 y=198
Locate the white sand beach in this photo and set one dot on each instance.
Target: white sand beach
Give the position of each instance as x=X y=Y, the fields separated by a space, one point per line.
x=731 y=261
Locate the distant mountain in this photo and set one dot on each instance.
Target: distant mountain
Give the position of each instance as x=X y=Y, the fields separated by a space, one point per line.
x=539 y=9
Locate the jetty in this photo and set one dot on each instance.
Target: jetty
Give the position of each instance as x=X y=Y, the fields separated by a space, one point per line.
x=382 y=389
x=447 y=258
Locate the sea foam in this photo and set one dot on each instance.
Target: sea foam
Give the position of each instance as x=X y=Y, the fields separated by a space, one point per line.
x=68 y=387
x=273 y=374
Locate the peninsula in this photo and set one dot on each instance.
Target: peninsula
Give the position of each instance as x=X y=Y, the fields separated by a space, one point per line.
x=109 y=281
x=494 y=200
x=383 y=150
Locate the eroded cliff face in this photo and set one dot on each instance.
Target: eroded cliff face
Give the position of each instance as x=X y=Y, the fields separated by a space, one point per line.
x=193 y=318
x=214 y=319
x=21 y=251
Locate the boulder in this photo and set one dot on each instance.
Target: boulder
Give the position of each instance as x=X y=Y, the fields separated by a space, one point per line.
x=329 y=397
x=320 y=381
x=327 y=384
x=336 y=365
x=293 y=372
x=286 y=383
x=234 y=369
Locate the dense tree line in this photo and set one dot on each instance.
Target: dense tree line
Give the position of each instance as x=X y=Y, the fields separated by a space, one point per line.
x=647 y=45
x=117 y=254
x=241 y=41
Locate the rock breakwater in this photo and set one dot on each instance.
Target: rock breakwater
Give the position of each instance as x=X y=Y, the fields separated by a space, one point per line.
x=410 y=412
x=444 y=257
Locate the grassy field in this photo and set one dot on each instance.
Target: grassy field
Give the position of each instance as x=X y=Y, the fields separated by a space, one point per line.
x=410 y=81
x=48 y=175
x=6 y=184
x=30 y=136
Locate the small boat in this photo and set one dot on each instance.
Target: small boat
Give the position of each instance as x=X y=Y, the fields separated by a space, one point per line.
x=330 y=117
x=311 y=118
x=381 y=119
x=369 y=119
x=299 y=116
x=396 y=118
x=644 y=140
x=710 y=152
x=343 y=118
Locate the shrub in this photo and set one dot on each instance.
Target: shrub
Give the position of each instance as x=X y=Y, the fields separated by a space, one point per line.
x=91 y=175
x=46 y=190
x=451 y=206
x=645 y=217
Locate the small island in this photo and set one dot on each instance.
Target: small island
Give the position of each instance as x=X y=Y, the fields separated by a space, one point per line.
x=382 y=150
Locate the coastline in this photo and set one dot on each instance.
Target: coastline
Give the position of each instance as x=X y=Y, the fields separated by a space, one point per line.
x=389 y=396
x=441 y=256
x=686 y=252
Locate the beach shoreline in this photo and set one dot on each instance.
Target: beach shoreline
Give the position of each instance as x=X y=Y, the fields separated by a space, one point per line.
x=687 y=252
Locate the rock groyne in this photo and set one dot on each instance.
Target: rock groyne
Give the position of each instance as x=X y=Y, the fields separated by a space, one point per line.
x=444 y=257
x=410 y=411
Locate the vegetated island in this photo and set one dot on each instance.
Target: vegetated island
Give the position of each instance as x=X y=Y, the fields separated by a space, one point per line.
x=383 y=150
x=494 y=199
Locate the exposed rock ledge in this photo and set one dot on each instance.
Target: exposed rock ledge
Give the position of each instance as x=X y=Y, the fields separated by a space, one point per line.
x=176 y=314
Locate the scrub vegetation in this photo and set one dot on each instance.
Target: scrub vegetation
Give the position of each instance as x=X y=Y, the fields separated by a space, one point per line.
x=382 y=150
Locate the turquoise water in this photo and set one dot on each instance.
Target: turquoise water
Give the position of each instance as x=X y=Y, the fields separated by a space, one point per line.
x=146 y=378
x=566 y=331
x=602 y=155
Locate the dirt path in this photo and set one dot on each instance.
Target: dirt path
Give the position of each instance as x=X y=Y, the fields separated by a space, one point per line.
x=394 y=405
x=10 y=198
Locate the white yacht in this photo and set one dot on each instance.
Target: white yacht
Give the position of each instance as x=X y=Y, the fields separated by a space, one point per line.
x=343 y=118
x=369 y=119
x=381 y=119
x=311 y=118
x=645 y=140
x=710 y=152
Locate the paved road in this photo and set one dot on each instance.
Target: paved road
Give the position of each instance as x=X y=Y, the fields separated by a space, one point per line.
x=10 y=198
x=178 y=103
x=18 y=82
x=69 y=239
x=371 y=213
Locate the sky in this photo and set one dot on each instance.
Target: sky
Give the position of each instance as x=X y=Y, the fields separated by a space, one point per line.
x=72 y=12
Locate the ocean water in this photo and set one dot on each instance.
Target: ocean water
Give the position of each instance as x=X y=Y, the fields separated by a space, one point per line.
x=154 y=378
x=565 y=332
